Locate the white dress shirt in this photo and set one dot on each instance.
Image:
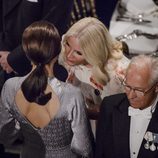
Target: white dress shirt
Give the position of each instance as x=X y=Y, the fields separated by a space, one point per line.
x=139 y=122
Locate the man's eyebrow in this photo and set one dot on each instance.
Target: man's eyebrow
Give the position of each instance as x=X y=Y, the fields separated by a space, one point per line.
x=139 y=88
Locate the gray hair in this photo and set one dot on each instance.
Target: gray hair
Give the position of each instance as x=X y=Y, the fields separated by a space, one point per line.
x=143 y=61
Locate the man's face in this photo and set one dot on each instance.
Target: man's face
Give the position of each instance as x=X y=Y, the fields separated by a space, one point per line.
x=139 y=92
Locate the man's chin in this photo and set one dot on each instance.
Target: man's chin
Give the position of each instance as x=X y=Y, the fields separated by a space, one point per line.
x=134 y=105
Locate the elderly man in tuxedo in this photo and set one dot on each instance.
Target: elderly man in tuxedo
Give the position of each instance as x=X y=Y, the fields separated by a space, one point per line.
x=15 y=16
x=128 y=123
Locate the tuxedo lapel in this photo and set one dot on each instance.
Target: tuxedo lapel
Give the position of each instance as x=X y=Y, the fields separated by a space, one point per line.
x=121 y=122
x=8 y=5
x=153 y=128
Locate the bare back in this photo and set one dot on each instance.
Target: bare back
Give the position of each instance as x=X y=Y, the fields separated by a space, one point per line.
x=39 y=116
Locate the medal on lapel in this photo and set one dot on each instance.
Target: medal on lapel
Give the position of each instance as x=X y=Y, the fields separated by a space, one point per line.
x=151 y=141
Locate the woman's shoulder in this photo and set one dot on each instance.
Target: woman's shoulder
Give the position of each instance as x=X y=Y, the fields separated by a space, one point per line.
x=71 y=89
x=116 y=63
x=69 y=96
x=108 y=101
x=10 y=89
x=14 y=82
x=65 y=88
x=121 y=62
x=124 y=60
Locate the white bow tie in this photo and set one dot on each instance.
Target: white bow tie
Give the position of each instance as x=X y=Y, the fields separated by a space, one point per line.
x=146 y=113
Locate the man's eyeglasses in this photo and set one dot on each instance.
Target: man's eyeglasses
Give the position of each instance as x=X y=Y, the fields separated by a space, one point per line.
x=137 y=91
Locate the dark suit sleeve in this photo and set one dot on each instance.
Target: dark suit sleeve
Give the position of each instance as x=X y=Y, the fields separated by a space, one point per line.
x=56 y=11
x=19 y=62
x=100 y=132
x=59 y=13
x=106 y=142
x=105 y=10
x=1 y=25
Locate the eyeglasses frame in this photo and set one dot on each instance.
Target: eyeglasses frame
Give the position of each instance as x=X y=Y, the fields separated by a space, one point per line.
x=136 y=89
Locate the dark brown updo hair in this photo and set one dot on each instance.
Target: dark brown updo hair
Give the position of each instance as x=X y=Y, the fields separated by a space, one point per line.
x=41 y=43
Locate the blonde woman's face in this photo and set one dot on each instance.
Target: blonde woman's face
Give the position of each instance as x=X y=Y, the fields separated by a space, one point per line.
x=73 y=52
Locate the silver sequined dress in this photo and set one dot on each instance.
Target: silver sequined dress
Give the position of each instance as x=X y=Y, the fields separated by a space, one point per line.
x=66 y=136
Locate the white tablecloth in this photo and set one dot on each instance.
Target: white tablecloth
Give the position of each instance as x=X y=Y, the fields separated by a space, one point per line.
x=135 y=7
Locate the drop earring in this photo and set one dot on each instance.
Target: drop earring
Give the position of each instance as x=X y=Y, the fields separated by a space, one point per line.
x=147 y=145
x=153 y=147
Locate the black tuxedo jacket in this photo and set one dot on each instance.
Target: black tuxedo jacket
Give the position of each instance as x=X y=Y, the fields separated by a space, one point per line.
x=18 y=14
x=112 y=138
x=105 y=12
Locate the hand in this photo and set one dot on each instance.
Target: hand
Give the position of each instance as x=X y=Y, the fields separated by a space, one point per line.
x=93 y=110
x=120 y=74
x=90 y=103
x=4 y=63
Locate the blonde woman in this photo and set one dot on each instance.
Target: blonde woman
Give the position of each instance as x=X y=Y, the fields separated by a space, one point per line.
x=94 y=58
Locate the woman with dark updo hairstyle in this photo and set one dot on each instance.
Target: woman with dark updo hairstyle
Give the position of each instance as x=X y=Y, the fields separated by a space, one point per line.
x=41 y=43
x=48 y=113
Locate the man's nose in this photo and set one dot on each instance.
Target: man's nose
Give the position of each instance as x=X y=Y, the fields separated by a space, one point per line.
x=131 y=94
